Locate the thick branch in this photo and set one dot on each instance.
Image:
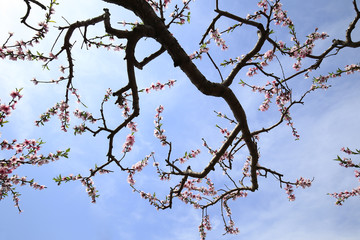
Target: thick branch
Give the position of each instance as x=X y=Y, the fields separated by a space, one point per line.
x=142 y=9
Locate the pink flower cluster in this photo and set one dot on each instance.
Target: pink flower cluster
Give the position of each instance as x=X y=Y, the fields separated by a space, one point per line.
x=347 y=162
x=290 y=123
x=79 y=129
x=166 y=2
x=290 y=192
x=224 y=131
x=252 y=71
x=75 y=93
x=60 y=109
x=225 y=156
x=5 y=109
x=282 y=98
x=280 y=16
x=137 y=167
x=25 y=153
x=230 y=226
x=263 y=4
x=342 y=196
x=319 y=82
x=205 y=224
x=300 y=52
x=85 y=116
x=153 y=200
x=347 y=150
x=178 y=15
x=231 y=229
x=357 y=174
x=216 y=36
x=301 y=182
x=198 y=54
x=132 y=126
x=17 y=51
x=163 y=176
x=246 y=167
x=188 y=195
x=232 y=61
x=130 y=140
x=158 y=131
x=85 y=181
x=159 y=86
x=90 y=189
x=124 y=105
x=349 y=69
x=269 y=55
x=107 y=95
x=187 y=155
x=32 y=147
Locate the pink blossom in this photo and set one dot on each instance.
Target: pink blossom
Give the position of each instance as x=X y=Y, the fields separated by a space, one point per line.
x=303 y=182
x=132 y=126
x=130 y=140
x=297 y=66
x=281 y=44
x=252 y=72
x=216 y=36
x=269 y=55
x=289 y=191
x=5 y=109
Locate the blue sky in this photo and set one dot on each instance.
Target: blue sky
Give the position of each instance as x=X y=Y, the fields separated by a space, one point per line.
x=326 y=122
